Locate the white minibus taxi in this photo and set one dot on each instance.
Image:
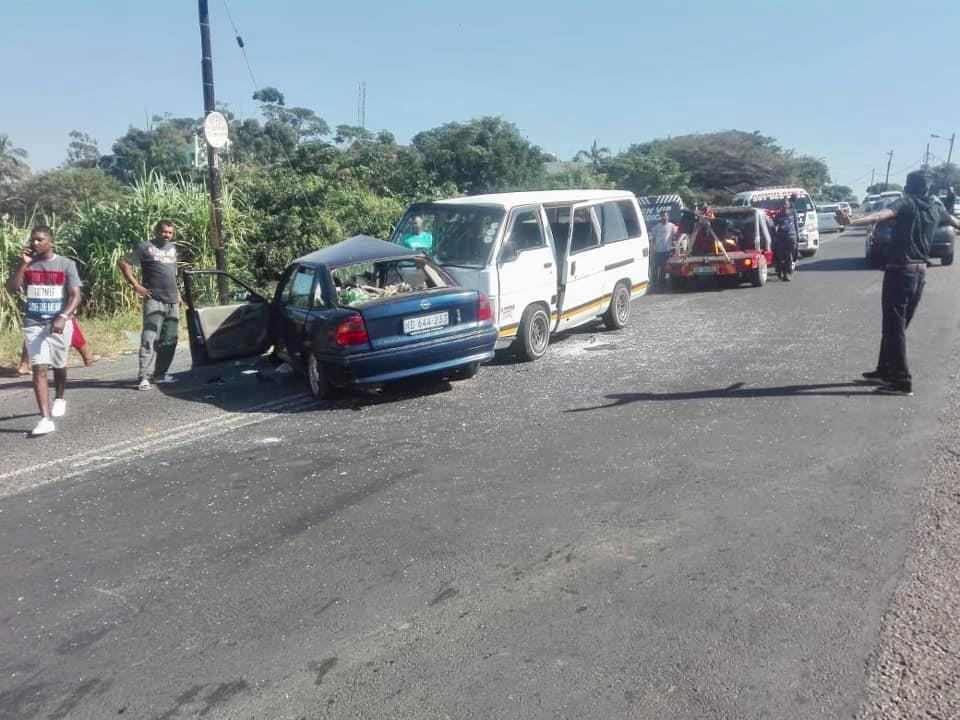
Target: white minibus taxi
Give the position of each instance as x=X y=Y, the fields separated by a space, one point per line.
x=771 y=199
x=548 y=260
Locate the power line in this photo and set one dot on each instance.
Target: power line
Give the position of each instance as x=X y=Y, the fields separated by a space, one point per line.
x=243 y=49
x=256 y=87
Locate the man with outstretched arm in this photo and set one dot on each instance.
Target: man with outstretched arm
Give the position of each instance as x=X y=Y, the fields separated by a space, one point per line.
x=52 y=286
x=915 y=217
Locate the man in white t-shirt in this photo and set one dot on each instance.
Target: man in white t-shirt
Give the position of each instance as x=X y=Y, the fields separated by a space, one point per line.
x=663 y=235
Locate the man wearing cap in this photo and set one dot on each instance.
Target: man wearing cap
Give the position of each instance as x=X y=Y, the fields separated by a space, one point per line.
x=915 y=217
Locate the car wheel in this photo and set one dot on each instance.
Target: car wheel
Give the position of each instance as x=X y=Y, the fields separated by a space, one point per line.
x=465 y=372
x=618 y=313
x=678 y=284
x=758 y=278
x=534 y=334
x=947 y=260
x=317 y=379
x=807 y=253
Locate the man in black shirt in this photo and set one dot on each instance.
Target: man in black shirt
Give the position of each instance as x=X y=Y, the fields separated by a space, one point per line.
x=157 y=259
x=915 y=217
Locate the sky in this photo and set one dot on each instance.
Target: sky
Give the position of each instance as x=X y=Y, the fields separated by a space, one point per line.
x=845 y=82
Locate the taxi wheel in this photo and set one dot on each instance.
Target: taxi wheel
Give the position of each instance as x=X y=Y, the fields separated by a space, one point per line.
x=320 y=386
x=618 y=313
x=947 y=259
x=534 y=334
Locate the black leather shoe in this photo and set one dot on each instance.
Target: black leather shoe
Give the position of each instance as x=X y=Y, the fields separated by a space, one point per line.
x=895 y=389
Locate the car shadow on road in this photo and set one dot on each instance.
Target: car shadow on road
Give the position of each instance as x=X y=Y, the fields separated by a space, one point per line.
x=735 y=391
x=259 y=387
x=834 y=264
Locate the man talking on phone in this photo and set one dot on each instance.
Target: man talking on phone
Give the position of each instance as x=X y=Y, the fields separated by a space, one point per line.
x=52 y=286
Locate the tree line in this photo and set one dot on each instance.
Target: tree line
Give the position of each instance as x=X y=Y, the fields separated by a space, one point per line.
x=296 y=183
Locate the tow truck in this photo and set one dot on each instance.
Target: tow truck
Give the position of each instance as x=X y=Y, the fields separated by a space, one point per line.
x=731 y=245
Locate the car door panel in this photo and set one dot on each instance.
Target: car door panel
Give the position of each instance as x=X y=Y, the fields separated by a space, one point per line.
x=221 y=331
x=582 y=285
x=526 y=269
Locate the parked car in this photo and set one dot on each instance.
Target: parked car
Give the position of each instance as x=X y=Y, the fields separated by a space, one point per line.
x=826 y=217
x=549 y=260
x=880 y=235
x=361 y=312
x=771 y=199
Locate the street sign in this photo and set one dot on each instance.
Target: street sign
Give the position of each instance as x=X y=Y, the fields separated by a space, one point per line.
x=215 y=130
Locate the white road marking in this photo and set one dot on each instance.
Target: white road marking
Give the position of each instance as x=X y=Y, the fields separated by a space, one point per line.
x=26 y=478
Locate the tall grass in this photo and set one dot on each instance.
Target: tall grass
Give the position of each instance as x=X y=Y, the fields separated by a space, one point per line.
x=99 y=235
x=103 y=234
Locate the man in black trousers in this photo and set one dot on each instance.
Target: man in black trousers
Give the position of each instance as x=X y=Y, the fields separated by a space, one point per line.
x=915 y=217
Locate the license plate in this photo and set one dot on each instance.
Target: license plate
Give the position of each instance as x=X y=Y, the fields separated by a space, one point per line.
x=705 y=270
x=422 y=323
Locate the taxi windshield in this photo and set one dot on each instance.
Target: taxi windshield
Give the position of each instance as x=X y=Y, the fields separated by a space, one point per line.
x=453 y=235
x=800 y=204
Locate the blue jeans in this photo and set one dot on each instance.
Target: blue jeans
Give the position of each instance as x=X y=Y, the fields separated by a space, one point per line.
x=158 y=341
x=902 y=289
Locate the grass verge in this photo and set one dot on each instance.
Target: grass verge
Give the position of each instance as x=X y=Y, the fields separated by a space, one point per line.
x=106 y=335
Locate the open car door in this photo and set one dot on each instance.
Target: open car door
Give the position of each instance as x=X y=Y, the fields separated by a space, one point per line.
x=240 y=327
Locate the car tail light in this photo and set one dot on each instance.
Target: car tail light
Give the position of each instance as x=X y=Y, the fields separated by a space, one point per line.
x=352 y=332
x=748 y=262
x=484 y=312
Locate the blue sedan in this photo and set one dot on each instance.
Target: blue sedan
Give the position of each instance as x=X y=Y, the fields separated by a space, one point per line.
x=361 y=312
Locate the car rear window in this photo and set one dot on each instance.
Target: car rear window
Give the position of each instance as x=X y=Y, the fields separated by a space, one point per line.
x=368 y=282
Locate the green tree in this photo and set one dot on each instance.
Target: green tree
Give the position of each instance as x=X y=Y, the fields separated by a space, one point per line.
x=572 y=175
x=59 y=193
x=809 y=173
x=349 y=134
x=13 y=162
x=304 y=122
x=723 y=163
x=483 y=155
x=82 y=152
x=595 y=156
x=166 y=148
x=647 y=170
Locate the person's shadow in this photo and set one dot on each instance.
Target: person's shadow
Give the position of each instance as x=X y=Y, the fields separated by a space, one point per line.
x=737 y=390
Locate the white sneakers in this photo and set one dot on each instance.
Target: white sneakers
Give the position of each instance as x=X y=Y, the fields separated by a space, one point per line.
x=166 y=379
x=43 y=427
x=46 y=426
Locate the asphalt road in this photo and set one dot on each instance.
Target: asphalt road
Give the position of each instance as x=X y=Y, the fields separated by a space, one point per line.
x=701 y=516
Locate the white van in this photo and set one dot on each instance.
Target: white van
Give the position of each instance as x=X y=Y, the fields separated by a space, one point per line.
x=770 y=199
x=548 y=260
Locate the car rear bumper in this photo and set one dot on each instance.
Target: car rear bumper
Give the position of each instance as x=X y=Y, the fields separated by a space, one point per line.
x=380 y=366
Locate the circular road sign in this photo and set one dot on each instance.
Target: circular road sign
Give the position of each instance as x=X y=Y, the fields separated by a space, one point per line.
x=215 y=130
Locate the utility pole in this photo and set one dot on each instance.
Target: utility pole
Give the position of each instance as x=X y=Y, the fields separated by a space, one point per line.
x=953 y=136
x=213 y=155
x=886 y=180
x=926 y=157
x=872 y=173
